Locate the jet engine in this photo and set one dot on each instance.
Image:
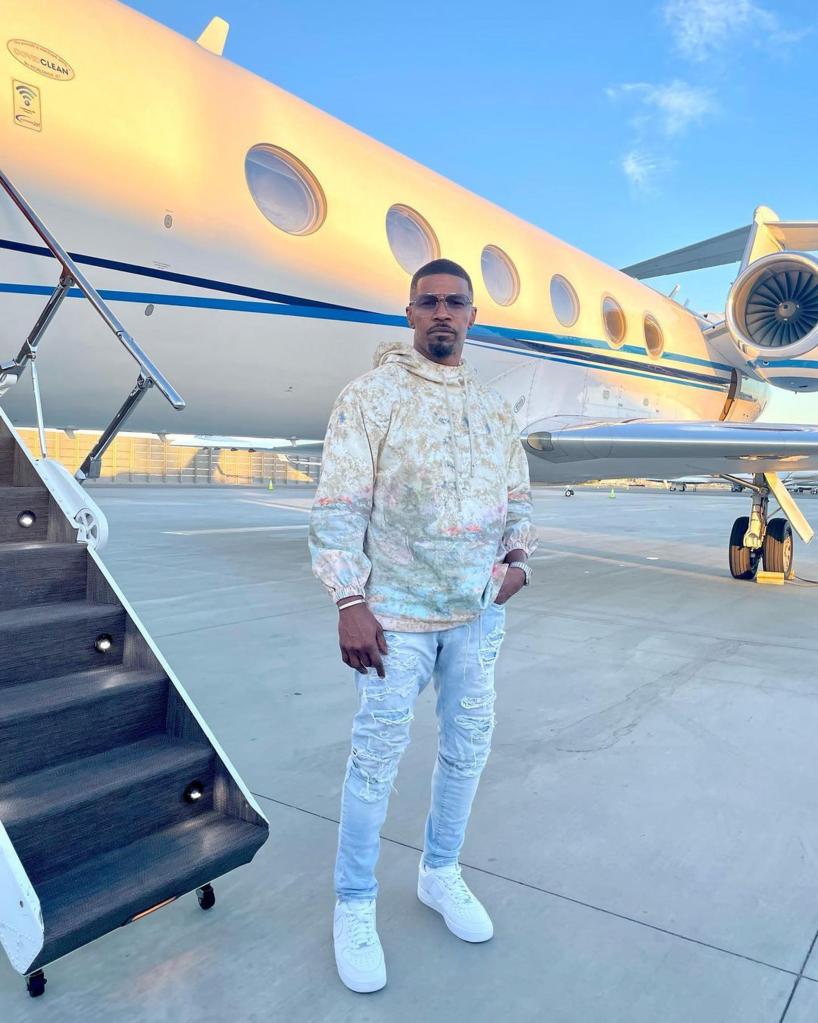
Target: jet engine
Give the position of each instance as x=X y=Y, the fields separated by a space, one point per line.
x=772 y=308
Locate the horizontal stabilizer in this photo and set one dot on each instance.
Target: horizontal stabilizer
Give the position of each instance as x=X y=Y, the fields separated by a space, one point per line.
x=798 y=235
x=724 y=248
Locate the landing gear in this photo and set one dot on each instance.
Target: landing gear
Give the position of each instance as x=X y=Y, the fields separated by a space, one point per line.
x=777 y=548
x=569 y=491
x=756 y=538
x=206 y=896
x=35 y=983
x=744 y=561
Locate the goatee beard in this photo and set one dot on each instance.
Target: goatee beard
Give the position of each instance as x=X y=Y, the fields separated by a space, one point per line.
x=441 y=347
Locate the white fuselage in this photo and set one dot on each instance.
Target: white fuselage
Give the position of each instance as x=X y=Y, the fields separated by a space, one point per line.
x=141 y=176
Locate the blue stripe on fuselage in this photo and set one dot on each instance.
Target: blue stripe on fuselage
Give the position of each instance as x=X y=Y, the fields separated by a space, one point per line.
x=361 y=315
x=484 y=337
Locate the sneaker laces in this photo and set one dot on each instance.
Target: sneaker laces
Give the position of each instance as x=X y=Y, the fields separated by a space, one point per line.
x=362 y=932
x=456 y=888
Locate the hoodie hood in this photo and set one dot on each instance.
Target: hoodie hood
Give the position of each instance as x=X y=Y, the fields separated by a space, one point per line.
x=405 y=355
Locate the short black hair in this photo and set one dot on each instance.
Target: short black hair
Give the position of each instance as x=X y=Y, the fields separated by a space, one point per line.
x=440 y=266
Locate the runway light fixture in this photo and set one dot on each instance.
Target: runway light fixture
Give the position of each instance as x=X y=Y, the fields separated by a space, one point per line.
x=103 y=643
x=194 y=792
x=26 y=519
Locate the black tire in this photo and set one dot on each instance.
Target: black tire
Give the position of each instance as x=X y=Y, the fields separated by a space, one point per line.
x=778 y=549
x=35 y=984
x=206 y=896
x=744 y=562
x=569 y=492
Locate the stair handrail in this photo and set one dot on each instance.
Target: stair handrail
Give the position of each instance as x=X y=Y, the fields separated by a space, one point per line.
x=153 y=375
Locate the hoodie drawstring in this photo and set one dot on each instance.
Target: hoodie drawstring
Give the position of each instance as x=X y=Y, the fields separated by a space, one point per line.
x=465 y=378
x=453 y=436
x=464 y=381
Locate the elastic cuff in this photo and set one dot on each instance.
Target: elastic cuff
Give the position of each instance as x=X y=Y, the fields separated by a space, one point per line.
x=347 y=591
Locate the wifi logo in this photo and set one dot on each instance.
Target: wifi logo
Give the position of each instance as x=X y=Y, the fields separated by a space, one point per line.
x=27 y=106
x=27 y=94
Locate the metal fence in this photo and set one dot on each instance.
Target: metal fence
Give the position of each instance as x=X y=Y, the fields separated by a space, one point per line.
x=144 y=458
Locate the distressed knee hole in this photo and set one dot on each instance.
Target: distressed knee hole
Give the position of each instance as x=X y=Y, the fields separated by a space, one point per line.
x=477 y=728
x=393 y=717
x=485 y=702
x=370 y=776
x=466 y=759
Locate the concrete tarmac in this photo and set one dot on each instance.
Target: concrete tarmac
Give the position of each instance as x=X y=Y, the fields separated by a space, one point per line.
x=645 y=836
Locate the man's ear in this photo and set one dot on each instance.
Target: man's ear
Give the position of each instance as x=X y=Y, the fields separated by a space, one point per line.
x=410 y=316
x=473 y=316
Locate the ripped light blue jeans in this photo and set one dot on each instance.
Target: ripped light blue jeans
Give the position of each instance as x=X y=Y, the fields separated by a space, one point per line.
x=462 y=663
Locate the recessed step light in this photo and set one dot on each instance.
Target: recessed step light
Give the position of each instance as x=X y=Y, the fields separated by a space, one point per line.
x=194 y=792
x=26 y=519
x=103 y=643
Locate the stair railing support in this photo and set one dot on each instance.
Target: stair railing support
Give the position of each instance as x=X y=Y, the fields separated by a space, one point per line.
x=90 y=468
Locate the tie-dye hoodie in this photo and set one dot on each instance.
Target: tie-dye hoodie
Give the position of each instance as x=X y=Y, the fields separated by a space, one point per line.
x=424 y=490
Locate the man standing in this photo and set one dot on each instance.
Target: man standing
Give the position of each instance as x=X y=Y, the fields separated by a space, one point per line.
x=420 y=531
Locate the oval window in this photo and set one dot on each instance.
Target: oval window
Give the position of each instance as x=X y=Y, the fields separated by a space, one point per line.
x=284 y=190
x=564 y=301
x=499 y=275
x=654 y=338
x=411 y=240
x=614 y=320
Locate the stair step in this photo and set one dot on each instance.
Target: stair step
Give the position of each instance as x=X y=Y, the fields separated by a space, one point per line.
x=55 y=639
x=13 y=501
x=109 y=890
x=37 y=572
x=67 y=814
x=44 y=723
x=6 y=459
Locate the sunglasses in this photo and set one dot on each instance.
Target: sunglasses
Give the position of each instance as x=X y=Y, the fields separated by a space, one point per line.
x=454 y=303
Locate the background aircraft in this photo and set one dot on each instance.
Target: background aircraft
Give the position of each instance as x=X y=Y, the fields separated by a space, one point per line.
x=260 y=249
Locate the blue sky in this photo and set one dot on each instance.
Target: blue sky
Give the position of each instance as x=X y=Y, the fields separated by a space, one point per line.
x=625 y=129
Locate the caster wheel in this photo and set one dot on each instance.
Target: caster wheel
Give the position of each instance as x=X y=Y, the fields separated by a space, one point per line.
x=206 y=896
x=744 y=561
x=35 y=984
x=569 y=492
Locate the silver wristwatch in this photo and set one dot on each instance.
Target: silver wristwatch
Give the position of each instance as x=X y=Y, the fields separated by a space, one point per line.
x=525 y=567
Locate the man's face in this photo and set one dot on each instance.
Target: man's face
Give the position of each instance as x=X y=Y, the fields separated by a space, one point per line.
x=440 y=328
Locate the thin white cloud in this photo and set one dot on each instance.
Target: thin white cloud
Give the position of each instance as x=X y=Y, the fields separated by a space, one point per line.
x=642 y=169
x=670 y=108
x=702 y=28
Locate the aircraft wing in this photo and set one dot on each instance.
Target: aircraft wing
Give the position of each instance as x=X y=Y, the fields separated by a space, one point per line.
x=666 y=450
x=277 y=445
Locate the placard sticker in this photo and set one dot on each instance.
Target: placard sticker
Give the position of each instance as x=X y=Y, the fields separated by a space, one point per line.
x=27 y=107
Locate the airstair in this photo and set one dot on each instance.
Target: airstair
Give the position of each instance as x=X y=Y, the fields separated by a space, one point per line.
x=115 y=799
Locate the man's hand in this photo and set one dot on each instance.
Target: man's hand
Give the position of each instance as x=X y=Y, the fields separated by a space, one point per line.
x=514 y=581
x=361 y=638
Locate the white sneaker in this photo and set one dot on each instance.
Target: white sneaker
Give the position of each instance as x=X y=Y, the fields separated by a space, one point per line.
x=443 y=889
x=358 y=951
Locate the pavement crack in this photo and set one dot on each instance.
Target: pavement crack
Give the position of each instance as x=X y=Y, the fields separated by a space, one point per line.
x=605 y=728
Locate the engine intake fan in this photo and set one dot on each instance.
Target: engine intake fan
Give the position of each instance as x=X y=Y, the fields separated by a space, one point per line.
x=772 y=309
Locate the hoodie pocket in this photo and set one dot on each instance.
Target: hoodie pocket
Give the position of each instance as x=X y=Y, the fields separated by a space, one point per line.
x=498 y=574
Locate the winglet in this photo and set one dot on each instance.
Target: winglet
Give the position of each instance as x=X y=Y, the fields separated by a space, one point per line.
x=214 y=36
